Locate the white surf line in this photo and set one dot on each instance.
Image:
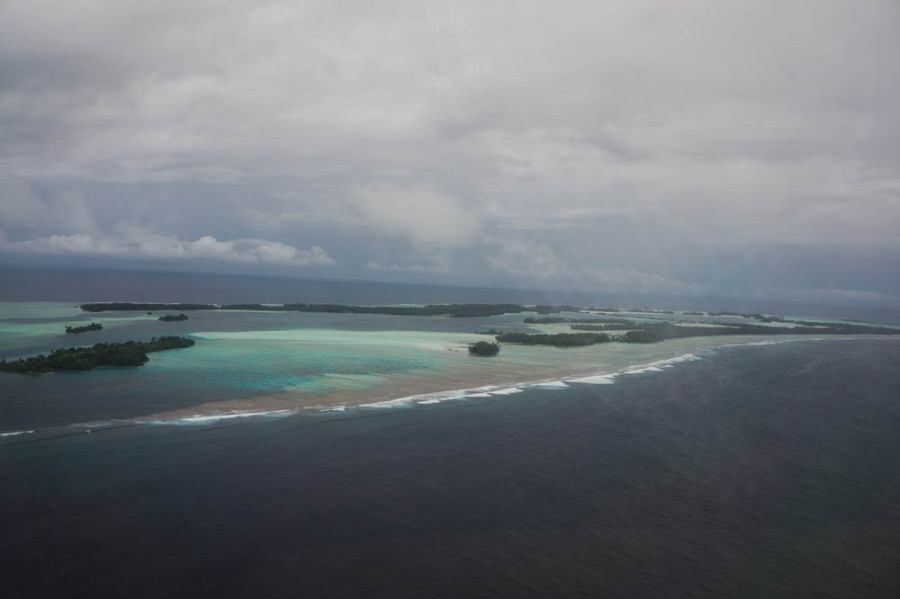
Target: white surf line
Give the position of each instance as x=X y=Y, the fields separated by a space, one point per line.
x=16 y=433
x=560 y=384
x=400 y=402
x=599 y=379
x=655 y=366
x=489 y=391
x=507 y=391
x=199 y=419
x=437 y=397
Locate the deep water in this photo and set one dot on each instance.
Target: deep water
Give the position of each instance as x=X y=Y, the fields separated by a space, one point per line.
x=756 y=471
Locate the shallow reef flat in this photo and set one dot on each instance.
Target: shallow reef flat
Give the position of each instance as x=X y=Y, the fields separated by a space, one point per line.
x=447 y=372
x=251 y=362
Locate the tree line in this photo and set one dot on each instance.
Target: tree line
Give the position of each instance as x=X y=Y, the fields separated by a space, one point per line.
x=94 y=326
x=129 y=353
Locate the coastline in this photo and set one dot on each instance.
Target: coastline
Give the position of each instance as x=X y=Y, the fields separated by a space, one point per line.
x=411 y=390
x=272 y=364
x=412 y=394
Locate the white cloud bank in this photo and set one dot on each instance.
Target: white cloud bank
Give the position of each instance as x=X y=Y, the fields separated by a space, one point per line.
x=135 y=243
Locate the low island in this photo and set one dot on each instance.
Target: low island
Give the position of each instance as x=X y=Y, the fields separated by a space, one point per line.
x=484 y=348
x=450 y=310
x=642 y=332
x=129 y=353
x=94 y=326
x=556 y=340
x=173 y=317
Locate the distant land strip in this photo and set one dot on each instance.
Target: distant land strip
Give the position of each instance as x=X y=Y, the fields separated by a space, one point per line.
x=656 y=332
x=452 y=310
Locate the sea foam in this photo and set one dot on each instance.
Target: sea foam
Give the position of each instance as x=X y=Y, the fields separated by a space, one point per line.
x=391 y=403
x=600 y=379
x=16 y=433
x=199 y=419
x=657 y=366
x=427 y=399
x=507 y=391
x=550 y=385
x=491 y=391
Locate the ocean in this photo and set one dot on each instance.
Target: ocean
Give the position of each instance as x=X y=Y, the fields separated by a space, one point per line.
x=765 y=469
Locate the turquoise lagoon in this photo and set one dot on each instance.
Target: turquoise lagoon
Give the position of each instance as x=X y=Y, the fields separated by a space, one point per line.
x=251 y=361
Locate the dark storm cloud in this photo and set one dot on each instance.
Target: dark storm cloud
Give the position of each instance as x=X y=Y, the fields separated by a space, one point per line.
x=686 y=147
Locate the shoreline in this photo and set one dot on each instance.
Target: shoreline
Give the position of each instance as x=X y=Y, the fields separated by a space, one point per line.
x=408 y=391
x=409 y=395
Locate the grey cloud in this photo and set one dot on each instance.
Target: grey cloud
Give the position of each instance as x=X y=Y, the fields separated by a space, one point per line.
x=466 y=142
x=24 y=209
x=425 y=216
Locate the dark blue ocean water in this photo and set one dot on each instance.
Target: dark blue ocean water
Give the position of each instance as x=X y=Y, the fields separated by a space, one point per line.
x=760 y=471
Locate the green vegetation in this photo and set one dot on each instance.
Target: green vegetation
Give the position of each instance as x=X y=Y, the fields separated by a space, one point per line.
x=557 y=340
x=610 y=326
x=642 y=336
x=94 y=326
x=762 y=318
x=130 y=353
x=173 y=318
x=651 y=333
x=555 y=309
x=660 y=331
x=484 y=348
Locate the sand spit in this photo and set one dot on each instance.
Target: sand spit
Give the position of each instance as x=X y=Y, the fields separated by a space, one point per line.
x=475 y=378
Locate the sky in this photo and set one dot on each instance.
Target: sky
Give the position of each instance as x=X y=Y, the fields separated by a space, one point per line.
x=692 y=147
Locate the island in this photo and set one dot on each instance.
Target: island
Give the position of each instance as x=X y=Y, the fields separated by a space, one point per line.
x=129 y=353
x=94 y=326
x=592 y=328
x=555 y=340
x=484 y=348
x=449 y=310
x=173 y=318
x=642 y=332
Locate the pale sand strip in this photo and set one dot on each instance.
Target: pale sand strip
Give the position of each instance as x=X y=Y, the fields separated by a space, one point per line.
x=476 y=374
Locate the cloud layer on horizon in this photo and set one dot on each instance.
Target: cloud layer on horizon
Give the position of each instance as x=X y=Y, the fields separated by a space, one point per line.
x=697 y=147
x=131 y=242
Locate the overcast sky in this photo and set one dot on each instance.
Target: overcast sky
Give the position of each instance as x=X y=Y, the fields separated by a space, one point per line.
x=689 y=147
